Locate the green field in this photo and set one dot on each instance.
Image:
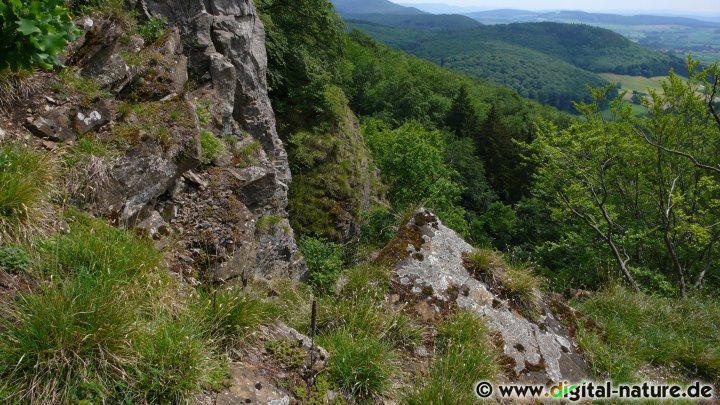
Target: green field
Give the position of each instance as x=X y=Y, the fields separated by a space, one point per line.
x=635 y=83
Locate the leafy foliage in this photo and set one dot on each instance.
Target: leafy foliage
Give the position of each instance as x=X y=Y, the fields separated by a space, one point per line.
x=212 y=147
x=632 y=184
x=325 y=260
x=34 y=32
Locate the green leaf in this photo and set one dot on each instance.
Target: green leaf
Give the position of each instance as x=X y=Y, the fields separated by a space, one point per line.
x=27 y=27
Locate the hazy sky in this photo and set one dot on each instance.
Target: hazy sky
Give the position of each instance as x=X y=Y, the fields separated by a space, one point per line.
x=708 y=7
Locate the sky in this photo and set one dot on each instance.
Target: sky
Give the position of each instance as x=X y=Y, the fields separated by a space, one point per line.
x=709 y=8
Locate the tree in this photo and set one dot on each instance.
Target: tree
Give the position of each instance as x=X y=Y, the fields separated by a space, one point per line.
x=647 y=187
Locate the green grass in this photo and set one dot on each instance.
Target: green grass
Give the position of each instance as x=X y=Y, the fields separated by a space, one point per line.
x=176 y=362
x=635 y=83
x=228 y=315
x=71 y=332
x=682 y=335
x=465 y=356
x=26 y=185
x=361 y=366
x=515 y=281
x=212 y=147
x=106 y=325
x=368 y=280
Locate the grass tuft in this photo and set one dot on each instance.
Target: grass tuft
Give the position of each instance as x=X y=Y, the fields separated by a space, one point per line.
x=465 y=356
x=212 y=146
x=26 y=185
x=361 y=366
x=227 y=316
x=681 y=335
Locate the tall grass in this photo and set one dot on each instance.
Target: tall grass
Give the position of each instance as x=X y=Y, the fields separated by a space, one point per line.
x=361 y=366
x=26 y=185
x=105 y=328
x=640 y=330
x=465 y=356
x=71 y=332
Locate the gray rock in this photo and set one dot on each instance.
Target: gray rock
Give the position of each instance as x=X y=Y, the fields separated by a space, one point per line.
x=54 y=125
x=248 y=385
x=429 y=257
x=227 y=47
x=90 y=119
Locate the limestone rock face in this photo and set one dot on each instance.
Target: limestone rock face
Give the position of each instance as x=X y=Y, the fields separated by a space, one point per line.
x=430 y=270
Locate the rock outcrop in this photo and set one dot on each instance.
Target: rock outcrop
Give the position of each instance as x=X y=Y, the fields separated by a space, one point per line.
x=430 y=273
x=133 y=98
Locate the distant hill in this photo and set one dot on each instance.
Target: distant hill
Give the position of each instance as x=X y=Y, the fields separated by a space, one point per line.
x=503 y=16
x=423 y=22
x=548 y=62
x=345 y=7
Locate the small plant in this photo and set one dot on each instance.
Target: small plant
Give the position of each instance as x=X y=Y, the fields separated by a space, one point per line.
x=14 y=259
x=203 y=113
x=15 y=85
x=285 y=354
x=26 y=184
x=113 y=10
x=153 y=29
x=212 y=146
x=325 y=261
x=247 y=154
x=34 y=32
x=360 y=366
x=87 y=86
x=516 y=282
x=267 y=222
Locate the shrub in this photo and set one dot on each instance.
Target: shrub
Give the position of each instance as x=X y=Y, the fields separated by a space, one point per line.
x=212 y=147
x=153 y=29
x=14 y=259
x=325 y=261
x=360 y=366
x=26 y=184
x=34 y=32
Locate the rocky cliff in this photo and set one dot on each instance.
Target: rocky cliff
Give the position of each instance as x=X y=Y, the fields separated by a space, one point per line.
x=190 y=152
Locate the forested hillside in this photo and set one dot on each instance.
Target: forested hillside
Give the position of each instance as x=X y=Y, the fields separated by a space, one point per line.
x=548 y=62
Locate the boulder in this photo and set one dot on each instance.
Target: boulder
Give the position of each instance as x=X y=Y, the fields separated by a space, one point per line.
x=430 y=271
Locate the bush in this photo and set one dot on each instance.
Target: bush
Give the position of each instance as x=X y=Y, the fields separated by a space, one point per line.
x=34 y=32
x=212 y=147
x=26 y=184
x=359 y=366
x=325 y=261
x=377 y=226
